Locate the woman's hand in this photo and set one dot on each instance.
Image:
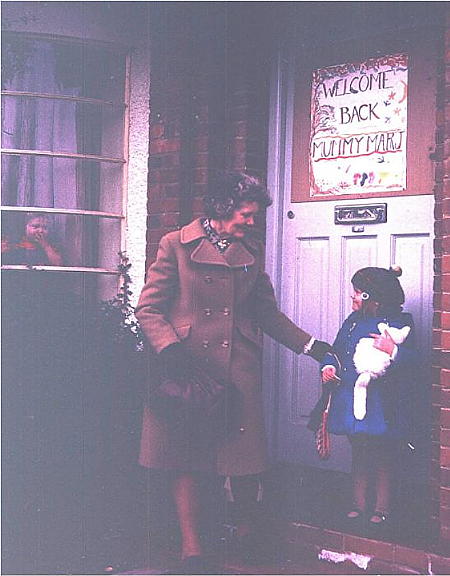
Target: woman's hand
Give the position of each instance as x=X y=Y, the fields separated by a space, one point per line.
x=177 y=362
x=328 y=373
x=383 y=342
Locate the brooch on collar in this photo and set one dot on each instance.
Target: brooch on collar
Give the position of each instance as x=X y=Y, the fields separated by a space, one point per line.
x=220 y=243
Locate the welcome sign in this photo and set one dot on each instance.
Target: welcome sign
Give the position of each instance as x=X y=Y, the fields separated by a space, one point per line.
x=358 y=127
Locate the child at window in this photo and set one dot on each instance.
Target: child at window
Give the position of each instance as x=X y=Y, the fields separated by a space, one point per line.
x=35 y=247
x=377 y=297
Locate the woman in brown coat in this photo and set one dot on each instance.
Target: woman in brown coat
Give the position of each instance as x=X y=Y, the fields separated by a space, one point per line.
x=207 y=297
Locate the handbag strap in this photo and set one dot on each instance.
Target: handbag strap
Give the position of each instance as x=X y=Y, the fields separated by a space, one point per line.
x=328 y=404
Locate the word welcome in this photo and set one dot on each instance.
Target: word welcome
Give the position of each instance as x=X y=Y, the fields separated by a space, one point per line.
x=357 y=145
x=361 y=83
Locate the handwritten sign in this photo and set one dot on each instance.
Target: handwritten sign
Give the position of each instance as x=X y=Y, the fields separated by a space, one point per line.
x=358 y=127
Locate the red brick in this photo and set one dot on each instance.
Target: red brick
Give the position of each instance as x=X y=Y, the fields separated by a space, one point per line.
x=446 y=185
x=436 y=394
x=444 y=437
x=445 y=268
x=445 y=496
x=436 y=434
x=436 y=374
x=445 y=282
x=445 y=418
x=445 y=397
x=411 y=557
x=445 y=378
x=442 y=227
x=441 y=301
x=379 y=550
x=441 y=357
x=444 y=515
x=156 y=130
x=164 y=146
x=445 y=456
x=441 y=320
x=445 y=477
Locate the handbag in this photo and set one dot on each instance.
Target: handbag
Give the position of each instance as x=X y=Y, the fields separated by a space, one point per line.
x=323 y=443
x=205 y=403
x=198 y=392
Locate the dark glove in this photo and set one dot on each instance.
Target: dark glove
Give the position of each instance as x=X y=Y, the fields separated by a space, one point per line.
x=176 y=362
x=319 y=349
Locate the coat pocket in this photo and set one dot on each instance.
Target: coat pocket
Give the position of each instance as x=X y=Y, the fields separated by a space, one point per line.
x=249 y=333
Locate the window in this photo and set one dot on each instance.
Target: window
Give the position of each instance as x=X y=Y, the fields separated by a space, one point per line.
x=64 y=118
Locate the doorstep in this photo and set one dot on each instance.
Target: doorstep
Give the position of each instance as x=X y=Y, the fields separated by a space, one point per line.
x=396 y=558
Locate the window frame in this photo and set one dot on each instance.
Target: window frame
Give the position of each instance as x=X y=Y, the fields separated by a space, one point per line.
x=123 y=106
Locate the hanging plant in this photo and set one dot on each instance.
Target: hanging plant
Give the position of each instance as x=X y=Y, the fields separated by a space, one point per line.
x=117 y=314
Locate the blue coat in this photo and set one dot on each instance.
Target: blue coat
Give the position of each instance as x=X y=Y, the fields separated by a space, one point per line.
x=389 y=398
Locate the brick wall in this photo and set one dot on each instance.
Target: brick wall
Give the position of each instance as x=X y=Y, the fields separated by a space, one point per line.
x=440 y=473
x=209 y=107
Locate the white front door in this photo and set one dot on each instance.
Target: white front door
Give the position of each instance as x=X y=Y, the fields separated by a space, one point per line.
x=311 y=261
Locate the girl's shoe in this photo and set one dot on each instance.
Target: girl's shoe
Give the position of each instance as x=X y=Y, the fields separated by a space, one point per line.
x=379 y=518
x=355 y=514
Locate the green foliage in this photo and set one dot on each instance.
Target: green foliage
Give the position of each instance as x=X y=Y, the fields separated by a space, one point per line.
x=117 y=319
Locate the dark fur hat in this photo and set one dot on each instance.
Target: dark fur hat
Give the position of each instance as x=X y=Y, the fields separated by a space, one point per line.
x=381 y=285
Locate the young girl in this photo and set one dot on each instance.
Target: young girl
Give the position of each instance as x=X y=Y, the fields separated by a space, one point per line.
x=35 y=247
x=377 y=297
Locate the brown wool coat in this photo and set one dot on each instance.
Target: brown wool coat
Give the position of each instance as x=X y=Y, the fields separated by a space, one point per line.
x=218 y=305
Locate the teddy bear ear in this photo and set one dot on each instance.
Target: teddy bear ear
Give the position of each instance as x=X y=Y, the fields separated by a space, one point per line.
x=405 y=331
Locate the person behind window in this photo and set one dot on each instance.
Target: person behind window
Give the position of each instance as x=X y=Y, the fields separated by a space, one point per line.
x=208 y=298
x=35 y=247
x=379 y=424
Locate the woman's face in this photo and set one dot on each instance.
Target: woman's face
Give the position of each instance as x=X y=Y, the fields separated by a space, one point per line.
x=241 y=221
x=36 y=228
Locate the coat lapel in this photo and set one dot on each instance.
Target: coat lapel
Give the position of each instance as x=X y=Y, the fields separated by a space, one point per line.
x=236 y=255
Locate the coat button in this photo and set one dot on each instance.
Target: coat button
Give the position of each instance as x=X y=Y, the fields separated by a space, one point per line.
x=205 y=343
x=241 y=429
x=208 y=279
x=226 y=311
x=225 y=344
x=207 y=311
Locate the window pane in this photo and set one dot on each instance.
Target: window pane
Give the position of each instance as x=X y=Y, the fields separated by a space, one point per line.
x=43 y=66
x=37 y=239
x=61 y=126
x=65 y=183
x=33 y=285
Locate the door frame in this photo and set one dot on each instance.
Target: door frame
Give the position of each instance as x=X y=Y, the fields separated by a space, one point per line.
x=279 y=173
x=280 y=170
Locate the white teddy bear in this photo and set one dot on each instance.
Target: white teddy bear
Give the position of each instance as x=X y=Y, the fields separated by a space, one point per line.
x=372 y=363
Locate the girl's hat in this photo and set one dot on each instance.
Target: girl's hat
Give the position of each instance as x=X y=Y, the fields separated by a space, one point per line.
x=380 y=284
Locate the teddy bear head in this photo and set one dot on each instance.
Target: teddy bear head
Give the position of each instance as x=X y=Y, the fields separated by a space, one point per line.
x=398 y=335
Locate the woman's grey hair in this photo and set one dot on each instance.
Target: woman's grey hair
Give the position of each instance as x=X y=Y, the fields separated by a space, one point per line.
x=230 y=190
